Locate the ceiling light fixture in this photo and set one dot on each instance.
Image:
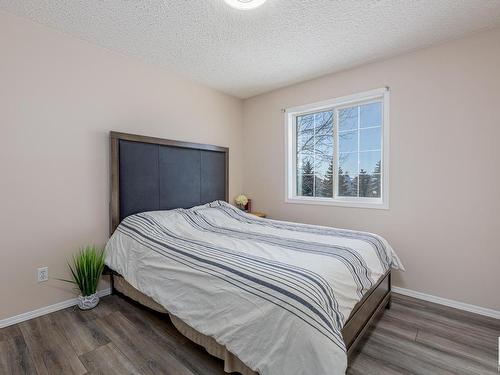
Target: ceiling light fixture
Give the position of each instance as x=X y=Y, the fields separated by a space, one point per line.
x=245 y=4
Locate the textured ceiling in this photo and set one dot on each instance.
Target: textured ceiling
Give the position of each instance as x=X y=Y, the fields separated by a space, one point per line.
x=245 y=53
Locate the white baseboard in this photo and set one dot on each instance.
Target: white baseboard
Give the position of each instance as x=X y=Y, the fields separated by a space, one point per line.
x=448 y=302
x=46 y=310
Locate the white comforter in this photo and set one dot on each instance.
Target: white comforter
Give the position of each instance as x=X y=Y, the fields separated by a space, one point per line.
x=276 y=294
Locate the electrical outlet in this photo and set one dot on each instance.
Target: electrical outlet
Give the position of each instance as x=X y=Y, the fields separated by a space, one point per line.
x=43 y=274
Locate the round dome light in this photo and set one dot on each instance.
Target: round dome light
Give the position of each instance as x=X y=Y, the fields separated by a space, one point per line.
x=245 y=4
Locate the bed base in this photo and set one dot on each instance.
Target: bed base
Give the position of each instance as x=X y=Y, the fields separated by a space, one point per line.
x=365 y=313
x=362 y=316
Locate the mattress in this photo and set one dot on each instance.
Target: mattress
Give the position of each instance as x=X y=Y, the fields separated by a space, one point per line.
x=275 y=294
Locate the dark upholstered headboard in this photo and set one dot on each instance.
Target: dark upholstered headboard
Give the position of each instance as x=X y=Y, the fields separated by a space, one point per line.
x=149 y=174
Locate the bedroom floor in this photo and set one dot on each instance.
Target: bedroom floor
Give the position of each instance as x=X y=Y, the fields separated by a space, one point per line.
x=119 y=337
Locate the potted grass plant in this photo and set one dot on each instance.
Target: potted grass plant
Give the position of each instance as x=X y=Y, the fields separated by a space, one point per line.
x=86 y=269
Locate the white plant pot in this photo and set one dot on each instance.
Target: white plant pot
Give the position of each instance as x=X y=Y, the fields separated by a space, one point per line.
x=88 y=302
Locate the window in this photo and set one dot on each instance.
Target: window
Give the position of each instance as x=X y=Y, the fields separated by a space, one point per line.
x=338 y=151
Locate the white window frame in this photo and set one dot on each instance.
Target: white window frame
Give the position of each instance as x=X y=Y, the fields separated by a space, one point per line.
x=291 y=114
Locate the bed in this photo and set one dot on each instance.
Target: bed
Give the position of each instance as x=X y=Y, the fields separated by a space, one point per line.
x=266 y=296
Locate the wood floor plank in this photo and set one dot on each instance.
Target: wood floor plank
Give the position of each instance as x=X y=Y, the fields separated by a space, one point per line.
x=199 y=362
x=84 y=335
x=9 y=332
x=153 y=323
x=448 y=316
x=15 y=358
x=480 y=360
x=108 y=360
x=396 y=326
x=363 y=364
x=401 y=354
x=149 y=356
x=415 y=357
x=51 y=352
x=428 y=320
x=448 y=312
x=159 y=328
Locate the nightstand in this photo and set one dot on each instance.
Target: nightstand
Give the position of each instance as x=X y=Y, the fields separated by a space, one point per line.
x=259 y=214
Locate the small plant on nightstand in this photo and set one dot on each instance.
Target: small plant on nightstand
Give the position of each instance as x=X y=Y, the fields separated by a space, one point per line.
x=241 y=201
x=87 y=268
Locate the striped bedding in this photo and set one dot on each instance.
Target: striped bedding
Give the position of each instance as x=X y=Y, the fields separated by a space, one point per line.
x=275 y=293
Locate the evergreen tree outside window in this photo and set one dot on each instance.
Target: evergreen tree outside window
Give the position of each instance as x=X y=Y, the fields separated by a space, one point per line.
x=338 y=151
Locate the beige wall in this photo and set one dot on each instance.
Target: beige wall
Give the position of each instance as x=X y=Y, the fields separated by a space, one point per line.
x=59 y=98
x=444 y=217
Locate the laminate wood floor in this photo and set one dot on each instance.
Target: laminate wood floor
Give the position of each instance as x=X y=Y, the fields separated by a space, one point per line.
x=120 y=337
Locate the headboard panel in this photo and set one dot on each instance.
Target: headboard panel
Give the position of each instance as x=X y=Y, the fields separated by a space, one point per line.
x=149 y=174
